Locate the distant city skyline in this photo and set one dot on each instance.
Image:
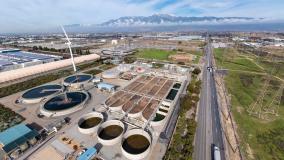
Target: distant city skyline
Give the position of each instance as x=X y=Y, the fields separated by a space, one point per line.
x=36 y=15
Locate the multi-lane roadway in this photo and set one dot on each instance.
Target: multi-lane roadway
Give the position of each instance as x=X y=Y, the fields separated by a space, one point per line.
x=209 y=131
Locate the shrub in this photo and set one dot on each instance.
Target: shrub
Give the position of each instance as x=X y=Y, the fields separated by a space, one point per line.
x=75 y=147
x=196 y=71
x=8 y=118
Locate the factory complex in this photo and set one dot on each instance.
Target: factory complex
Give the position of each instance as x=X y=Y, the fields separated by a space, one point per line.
x=123 y=114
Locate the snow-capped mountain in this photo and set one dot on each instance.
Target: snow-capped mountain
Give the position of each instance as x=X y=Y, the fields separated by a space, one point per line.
x=166 y=19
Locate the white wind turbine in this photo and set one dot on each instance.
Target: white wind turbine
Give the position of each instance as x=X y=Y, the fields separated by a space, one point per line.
x=66 y=99
x=70 y=49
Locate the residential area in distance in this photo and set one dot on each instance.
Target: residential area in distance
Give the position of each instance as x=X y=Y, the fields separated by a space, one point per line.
x=142 y=80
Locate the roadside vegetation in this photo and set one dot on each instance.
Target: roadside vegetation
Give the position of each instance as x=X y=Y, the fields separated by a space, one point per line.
x=8 y=118
x=261 y=139
x=181 y=145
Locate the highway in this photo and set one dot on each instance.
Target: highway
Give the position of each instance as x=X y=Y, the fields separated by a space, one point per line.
x=209 y=129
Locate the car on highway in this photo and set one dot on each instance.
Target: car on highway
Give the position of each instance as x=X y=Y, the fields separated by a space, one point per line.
x=210 y=69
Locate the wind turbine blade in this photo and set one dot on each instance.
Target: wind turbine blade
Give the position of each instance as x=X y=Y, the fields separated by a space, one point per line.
x=70 y=50
x=65 y=34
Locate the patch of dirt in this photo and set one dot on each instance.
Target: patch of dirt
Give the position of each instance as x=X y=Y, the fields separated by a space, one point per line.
x=249 y=152
x=240 y=109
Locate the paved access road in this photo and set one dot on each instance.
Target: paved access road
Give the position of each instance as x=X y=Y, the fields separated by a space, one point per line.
x=209 y=129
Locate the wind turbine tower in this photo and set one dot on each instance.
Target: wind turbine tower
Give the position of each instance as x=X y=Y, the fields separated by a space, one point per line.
x=70 y=49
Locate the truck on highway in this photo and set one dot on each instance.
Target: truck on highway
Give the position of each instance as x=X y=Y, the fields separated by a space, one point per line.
x=216 y=152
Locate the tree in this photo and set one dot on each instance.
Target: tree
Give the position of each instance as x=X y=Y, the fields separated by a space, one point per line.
x=196 y=71
x=35 y=48
x=75 y=147
x=181 y=63
x=53 y=50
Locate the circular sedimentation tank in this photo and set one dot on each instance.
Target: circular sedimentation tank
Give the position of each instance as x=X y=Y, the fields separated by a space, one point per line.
x=37 y=94
x=76 y=81
x=111 y=74
x=65 y=103
x=89 y=123
x=136 y=144
x=111 y=132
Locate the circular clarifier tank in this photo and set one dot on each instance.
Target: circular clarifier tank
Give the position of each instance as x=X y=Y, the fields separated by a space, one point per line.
x=64 y=103
x=37 y=94
x=111 y=132
x=77 y=80
x=89 y=123
x=136 y=144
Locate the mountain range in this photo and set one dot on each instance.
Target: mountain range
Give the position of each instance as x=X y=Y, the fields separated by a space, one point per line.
x=166 y=19
x=166 y=22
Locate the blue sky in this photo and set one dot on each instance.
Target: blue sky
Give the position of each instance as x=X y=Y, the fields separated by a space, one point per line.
x=27 y=15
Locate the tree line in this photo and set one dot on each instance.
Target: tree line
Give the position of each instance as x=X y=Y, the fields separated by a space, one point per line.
x=78 y=51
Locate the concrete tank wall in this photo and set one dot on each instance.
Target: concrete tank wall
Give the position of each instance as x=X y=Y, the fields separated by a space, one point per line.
x=87 y=116
x=76 y=85
x=37 y=100
x=141 y=155
x=114 y=140
x=63 y=112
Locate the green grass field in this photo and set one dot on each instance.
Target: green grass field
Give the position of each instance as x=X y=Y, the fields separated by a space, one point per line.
x=163 y=54
x=244 y=89
x=276 y=68
x=230 y=60
x=198 y=54
x=154 y=54
x=264 y=137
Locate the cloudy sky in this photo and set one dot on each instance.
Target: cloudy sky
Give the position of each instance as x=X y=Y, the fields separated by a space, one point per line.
x=26 y=15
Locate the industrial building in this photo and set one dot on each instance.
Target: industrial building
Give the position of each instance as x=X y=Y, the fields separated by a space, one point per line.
x=106 y=86
x=17 y=139
x=88 y=154
x=136 y=113
x=126 y=120
x=41 y=68
x=11 y=59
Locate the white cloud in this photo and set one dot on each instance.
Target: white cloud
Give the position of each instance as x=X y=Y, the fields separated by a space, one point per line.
x=24 y=15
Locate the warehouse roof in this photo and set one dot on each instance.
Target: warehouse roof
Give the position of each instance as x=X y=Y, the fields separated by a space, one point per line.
x=41 y=68
x=88 y=154
x=15 y=136
x=105 y=85
x=13 y=133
